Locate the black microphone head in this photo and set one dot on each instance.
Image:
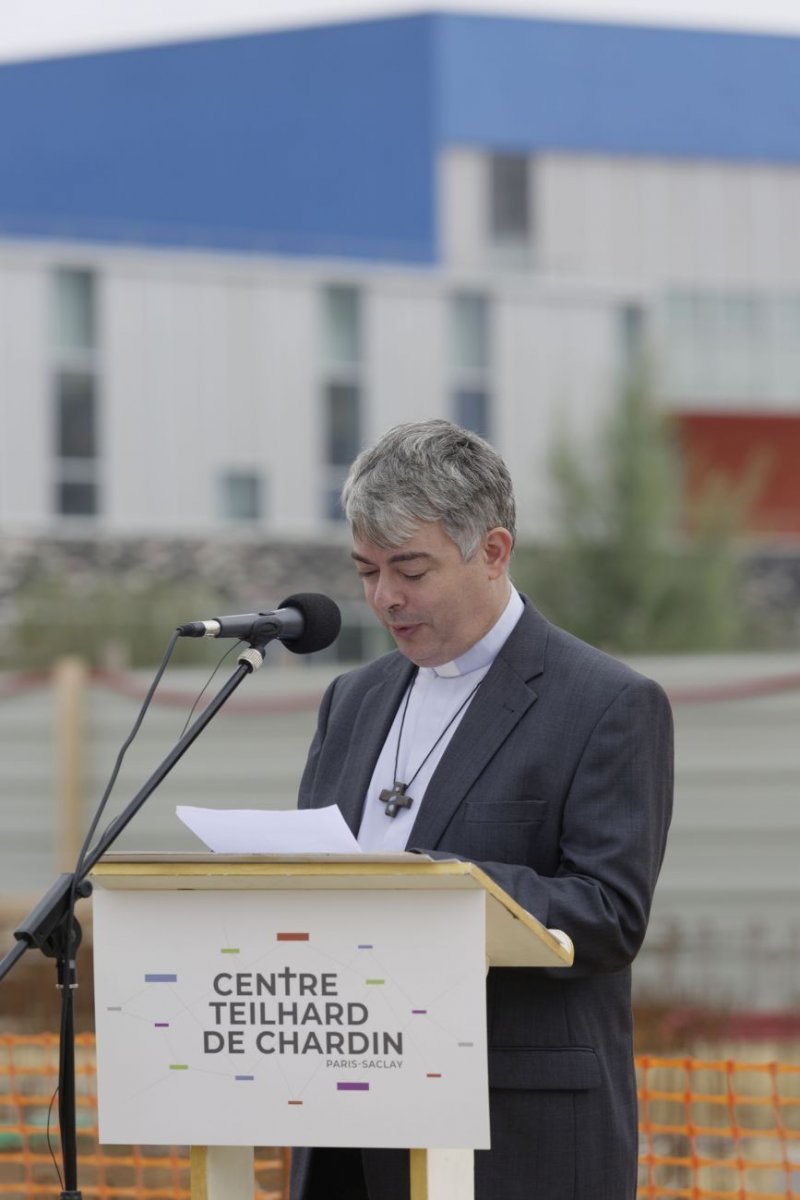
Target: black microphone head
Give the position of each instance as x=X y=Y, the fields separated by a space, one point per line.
x=321 y=622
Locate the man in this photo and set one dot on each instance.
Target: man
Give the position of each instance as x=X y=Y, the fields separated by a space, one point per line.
x=494 y=736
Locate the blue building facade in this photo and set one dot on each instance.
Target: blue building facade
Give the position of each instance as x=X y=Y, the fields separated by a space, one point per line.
x=324 y=141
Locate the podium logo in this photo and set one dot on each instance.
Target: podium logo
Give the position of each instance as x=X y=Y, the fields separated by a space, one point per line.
x=293 y=1013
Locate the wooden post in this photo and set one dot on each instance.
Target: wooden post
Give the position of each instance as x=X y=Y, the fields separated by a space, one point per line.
x=222 y=1172
x=70 y=676
x=442 y=1174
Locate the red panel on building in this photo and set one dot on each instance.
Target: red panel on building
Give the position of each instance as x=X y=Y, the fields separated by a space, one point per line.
x=764 y=447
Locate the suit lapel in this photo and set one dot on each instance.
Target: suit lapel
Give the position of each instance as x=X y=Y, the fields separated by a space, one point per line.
x=502 y=699
x=376 y=713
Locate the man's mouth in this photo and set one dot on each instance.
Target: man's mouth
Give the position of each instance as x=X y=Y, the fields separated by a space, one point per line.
x=404 y=628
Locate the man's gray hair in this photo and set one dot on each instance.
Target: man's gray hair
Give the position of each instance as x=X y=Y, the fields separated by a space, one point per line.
x=429 y=471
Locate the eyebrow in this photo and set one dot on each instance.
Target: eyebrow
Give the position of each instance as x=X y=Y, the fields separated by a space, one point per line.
x=403 y=556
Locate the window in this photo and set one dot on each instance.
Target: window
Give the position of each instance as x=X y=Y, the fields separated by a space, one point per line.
x=632 y=336
x=76 y=426
x=470 y=332
x=341 y=390
x=730 y=347
x=509 y=200
x=76 y=499
x=342 y=410
x=360 y=639
x=76 y=417
x=342 y=326
x=472 y=410
x=241 y=496
x=470 y=358
x=75 y=312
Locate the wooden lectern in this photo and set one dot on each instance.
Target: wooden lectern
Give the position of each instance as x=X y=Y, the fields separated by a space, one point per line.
x=273 y=1000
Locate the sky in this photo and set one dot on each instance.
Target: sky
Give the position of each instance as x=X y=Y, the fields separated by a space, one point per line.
x=36 y=28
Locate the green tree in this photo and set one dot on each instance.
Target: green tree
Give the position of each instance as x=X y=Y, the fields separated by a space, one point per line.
x=122 y=622
x=635 y=565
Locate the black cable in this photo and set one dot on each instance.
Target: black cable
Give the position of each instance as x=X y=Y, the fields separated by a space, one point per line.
x=66 y=968
x=66 y=964
x=204 y=689
x=118 y=764
x=50 y=1146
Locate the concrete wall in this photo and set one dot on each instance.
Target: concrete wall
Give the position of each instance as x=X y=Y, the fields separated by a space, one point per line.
x=725 y=926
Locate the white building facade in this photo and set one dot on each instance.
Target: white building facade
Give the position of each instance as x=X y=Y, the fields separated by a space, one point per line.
x=205 y=314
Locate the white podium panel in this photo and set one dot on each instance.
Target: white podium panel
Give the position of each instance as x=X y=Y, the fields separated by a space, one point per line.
x=258 y=1017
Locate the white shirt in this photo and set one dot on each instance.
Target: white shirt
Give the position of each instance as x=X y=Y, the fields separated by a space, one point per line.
x=436 y=695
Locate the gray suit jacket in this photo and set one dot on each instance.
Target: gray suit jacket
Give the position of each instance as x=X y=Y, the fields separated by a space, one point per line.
x=558 y=782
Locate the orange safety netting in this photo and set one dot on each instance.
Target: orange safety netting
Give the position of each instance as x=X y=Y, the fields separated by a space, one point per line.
x=709 y=1130
x=718 y=1130
x=28 y=1073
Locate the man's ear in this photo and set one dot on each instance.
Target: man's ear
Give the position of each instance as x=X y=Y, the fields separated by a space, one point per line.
x=497 y=545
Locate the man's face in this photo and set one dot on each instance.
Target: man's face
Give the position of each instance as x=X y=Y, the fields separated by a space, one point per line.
x=435 y=605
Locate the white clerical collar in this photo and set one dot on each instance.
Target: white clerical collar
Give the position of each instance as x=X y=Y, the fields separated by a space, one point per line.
x=484 y=652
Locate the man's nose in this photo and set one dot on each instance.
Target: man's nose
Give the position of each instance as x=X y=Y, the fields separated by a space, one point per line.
x=388 y=594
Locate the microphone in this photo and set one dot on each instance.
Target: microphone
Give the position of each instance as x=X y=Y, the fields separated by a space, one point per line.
x=304 y=623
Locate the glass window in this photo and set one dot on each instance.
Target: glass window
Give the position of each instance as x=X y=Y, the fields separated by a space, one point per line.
x=75 y=499
x=351 y=643
x=632 y=334
x=343 y=423
x=509 y=198
x=333 y=503
x=75 y=428
x=76 y=424
x=75 y=310
x=472 y=410
x=683 y=312
x=724 y=346
x=787 y=319
x=742 y=315
x=360 y=640
x=470 y=332
x=241 y=496
x=342 y=326
x=341 y=390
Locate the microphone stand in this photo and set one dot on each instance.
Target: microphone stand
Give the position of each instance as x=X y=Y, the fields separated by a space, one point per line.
x=48 y=926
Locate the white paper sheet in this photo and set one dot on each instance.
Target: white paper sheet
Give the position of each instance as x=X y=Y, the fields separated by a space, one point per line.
x=267 y=831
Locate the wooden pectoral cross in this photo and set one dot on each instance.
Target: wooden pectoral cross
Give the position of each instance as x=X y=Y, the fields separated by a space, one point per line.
x=395 y=798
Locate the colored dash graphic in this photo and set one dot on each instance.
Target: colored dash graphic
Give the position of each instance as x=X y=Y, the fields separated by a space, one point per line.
x=419 y=1012
x=294 y=1101
x=292 y=937
x=352 y=1087
x=366 y=946
x=244 y=1078
x=374 y=982
x=466 y=1043
x=161 y=1024
x=229 y=950
x=434 y=1075
x=114 y=1008
x=179 y=1066
x=161 y=978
